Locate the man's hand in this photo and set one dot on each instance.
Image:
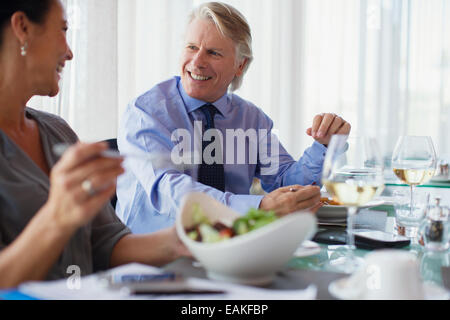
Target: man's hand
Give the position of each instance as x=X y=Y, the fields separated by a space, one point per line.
x=326 y=125
x=291 y=199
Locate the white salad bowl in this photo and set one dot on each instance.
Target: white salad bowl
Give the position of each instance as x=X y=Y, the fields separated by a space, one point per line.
x=252 y=258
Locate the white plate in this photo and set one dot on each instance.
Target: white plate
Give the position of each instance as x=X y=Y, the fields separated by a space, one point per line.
x=307 y=248
x=336 y=212
x=440 y=179
x=340 y=290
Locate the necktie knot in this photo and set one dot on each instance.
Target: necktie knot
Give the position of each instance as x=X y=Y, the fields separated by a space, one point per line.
x=210 y=108
x=210 y=111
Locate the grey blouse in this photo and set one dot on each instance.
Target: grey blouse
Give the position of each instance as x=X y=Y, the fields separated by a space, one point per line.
x=24 y=189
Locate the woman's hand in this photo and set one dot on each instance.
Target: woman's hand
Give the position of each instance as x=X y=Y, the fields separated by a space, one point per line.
x=81 y=183
x=155 y=249
x=179 y=249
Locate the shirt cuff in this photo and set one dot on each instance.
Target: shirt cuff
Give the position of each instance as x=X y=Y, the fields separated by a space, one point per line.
x=318 y=150
x=243 y=203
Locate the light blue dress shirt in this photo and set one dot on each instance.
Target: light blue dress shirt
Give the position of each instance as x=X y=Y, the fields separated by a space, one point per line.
x=151 y=191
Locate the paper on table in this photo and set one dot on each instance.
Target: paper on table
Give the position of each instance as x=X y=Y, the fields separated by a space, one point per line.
x=238 y=292
x=93 y=288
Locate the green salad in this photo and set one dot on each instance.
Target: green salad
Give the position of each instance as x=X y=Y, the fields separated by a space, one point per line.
x=208 y=232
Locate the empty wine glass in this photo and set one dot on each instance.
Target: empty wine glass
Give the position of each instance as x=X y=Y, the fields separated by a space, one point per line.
x=353 y=175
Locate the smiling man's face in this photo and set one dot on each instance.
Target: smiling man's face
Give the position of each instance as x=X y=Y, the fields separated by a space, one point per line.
x=208 y=63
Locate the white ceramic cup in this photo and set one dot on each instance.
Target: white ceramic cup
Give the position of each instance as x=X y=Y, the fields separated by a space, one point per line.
x=391 y=275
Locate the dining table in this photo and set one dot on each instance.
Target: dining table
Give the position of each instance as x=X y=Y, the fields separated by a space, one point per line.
x=317 y=269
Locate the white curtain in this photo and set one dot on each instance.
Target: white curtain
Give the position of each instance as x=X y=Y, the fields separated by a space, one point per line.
x=381 y=64
x=149 y=44
x=89 y=86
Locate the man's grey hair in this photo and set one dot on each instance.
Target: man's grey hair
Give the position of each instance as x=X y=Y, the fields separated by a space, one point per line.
x=232 y=24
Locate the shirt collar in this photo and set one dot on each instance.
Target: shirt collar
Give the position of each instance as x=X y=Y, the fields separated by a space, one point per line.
x=192 y=104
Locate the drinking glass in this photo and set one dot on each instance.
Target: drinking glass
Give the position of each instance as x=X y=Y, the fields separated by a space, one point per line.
x=353 y=175
x=407 y=223
x=414 y=162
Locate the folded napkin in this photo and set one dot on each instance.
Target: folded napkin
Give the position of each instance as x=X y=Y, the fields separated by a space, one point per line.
x=446 y=276
x=365 y=219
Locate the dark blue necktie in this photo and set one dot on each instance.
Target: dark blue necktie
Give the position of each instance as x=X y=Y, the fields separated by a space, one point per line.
x=212 y=175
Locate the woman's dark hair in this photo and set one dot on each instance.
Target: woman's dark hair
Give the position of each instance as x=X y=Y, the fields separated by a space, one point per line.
x=36 y=11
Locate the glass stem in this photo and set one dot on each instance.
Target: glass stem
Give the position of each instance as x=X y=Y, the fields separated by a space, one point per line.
x=350 y=236
x=411 y=208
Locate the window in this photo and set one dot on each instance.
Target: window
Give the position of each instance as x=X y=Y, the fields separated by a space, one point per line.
x=383 y=65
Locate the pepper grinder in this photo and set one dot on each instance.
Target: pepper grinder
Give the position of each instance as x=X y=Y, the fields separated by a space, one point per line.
x=434 y=231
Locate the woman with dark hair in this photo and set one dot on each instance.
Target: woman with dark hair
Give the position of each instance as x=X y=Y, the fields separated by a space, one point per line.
x=54 y=212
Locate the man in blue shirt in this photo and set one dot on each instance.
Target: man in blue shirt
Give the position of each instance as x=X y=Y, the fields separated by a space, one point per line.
x=229 y=140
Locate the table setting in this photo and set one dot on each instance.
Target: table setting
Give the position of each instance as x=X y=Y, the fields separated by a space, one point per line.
x=324 y=261
x=379 y=274
x=370 y=241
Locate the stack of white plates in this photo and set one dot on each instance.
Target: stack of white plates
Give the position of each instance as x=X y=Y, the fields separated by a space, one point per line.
x=443 y=179
x=330 y=215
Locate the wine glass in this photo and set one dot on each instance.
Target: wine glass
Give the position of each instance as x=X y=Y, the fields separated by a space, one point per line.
x=414 y=163
x=353 y=175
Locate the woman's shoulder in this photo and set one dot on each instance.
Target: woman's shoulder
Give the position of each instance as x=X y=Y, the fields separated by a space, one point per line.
x=46 y=117
x=52 y=122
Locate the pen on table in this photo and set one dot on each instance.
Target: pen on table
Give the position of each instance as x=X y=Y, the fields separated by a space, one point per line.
x=180 y=292
x=142 y=278
x=168 y=283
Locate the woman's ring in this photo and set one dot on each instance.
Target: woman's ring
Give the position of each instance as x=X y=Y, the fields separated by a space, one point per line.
x=87 y=187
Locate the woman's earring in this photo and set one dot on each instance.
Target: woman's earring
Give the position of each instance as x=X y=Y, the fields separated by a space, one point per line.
x=23 y=49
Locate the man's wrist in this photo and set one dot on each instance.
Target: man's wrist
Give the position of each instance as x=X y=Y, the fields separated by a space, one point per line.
x=242 y=203
x=266 y=203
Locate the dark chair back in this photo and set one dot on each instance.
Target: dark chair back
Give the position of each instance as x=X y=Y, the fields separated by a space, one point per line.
x=113 y=146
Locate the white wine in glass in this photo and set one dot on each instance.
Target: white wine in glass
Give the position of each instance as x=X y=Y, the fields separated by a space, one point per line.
x=414 y=177
x=350 y=193
x=353 y=175
x=414 y=162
